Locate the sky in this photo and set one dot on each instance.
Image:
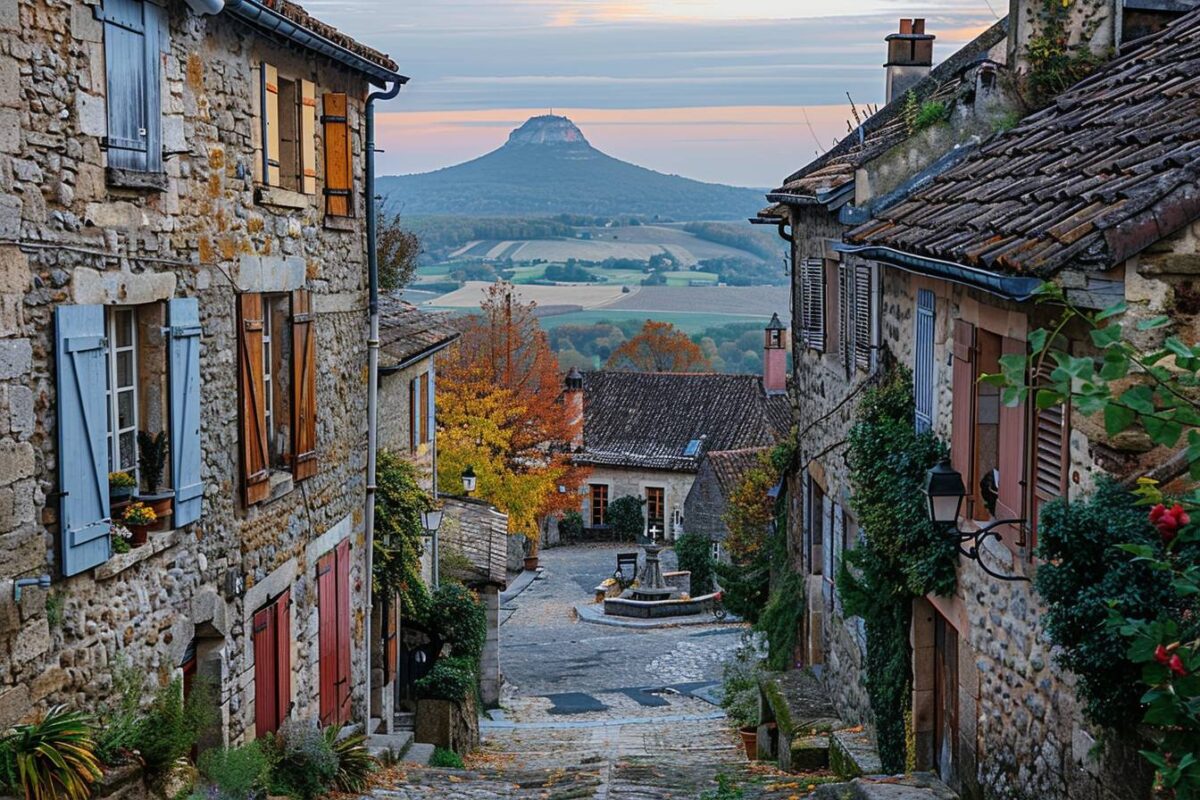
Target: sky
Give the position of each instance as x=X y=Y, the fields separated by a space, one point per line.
x=730 y=91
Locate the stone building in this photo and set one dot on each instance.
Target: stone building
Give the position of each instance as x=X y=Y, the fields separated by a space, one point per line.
x=645 y=434
x=183 y=222
x=707 y=501
x=950 y=242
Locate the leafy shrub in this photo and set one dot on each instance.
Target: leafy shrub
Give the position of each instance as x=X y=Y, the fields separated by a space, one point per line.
x=625 y=517
x=780 y=620
x=119 y=719
x=237 y=773
x=355 y=762
x=570 y=527
x=445 y=759
x=172 y=726
x=451 y=678
x=305 y=764
x=694 y=554
x=457 y=616
x=929 y=114
x=52 y=757
x=1084 y=576
x=397 y=566
x=739 y=684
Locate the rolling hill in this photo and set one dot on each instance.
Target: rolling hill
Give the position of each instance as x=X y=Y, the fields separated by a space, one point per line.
x=548 y=167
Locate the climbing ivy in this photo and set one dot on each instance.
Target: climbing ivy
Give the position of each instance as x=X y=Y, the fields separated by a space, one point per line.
x=397 y=557
x=902 y=555
x=1056 y=61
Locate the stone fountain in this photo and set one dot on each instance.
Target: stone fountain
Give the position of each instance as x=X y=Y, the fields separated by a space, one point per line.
x=652 y=597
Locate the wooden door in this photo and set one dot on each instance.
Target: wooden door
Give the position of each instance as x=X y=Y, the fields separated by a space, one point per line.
x=945 y=677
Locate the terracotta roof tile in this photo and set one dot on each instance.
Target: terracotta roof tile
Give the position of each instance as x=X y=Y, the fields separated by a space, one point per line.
x=406 y=331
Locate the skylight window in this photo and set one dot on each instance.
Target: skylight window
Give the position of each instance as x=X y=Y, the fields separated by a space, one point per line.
x=693 y=448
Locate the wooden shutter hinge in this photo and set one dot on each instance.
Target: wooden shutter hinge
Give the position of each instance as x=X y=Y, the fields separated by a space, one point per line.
x=325 y=118
x=336 y=192
x=307 y=316
x=252 y=324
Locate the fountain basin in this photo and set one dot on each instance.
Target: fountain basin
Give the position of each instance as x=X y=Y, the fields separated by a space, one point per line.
x=656 y=609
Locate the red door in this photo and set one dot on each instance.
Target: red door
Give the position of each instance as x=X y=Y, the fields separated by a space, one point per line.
x=333 y=634
x=343 y=630
x=271 y=629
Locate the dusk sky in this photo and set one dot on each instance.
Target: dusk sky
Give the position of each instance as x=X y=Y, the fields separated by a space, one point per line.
x=721 y=90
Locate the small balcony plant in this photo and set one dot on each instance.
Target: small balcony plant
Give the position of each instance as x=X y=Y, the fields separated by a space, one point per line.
x=152 y=460
x=120 y=485
x=138 y=518
x=121 y=537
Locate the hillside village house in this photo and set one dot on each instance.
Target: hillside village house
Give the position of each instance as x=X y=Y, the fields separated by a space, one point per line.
x=645 y=435
x=184 y=214
x=949 y=237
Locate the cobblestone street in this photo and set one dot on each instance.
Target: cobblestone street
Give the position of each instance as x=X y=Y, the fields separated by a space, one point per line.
x=595 y=711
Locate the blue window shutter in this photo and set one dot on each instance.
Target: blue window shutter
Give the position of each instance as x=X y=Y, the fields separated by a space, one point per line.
x=184 y=315
x=132 y=34
x=79 y=356
x=923 y=366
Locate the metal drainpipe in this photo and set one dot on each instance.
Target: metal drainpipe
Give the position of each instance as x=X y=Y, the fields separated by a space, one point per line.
x=372 y=373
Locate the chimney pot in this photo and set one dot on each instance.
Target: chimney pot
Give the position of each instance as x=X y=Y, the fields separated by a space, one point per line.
x=918 y=26
x=906 y=26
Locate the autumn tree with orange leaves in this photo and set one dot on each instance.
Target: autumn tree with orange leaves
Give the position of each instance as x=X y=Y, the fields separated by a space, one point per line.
x=659 y=347
x=500 y=412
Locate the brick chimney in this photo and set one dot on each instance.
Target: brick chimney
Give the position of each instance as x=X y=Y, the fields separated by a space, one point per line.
x=775 y=357
x=573 y=406
x=909 y=59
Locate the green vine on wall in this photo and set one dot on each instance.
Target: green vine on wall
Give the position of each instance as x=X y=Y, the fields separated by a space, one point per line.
x=902 y=555
x=398 y=547
x=1056 y=62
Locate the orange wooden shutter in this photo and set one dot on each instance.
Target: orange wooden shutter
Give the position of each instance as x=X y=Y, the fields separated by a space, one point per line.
x=424 y=400
x=1011 y=501
x=1051 y=454
x=391 y=625
x=304 y=386
x=338 y=176
x=255 y=461
x=413 y=419
x=270 y=125
x=327 y=638
x=963 y=394
x=283 y=655
x=308 y=137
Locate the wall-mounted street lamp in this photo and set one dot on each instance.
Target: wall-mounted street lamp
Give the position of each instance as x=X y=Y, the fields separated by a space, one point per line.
x=944 y=492
x=468 y=479
x=431 y=520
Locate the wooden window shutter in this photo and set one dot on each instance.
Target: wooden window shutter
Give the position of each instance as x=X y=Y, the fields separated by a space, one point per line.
x=269 y=97
x=845 y=315
x=283 y=657
x=79 y=358
x=327 y=633
x=924 y=375
x=308 y=137
x=424 y=405
x=184 y=335
x=1051 y=453
x=806 y=522
x=413 y=419
x=304 y=386
x=342 y=563
x=265 y=690
x=1010 y=503
x=338 y=173
x=962 y=430
x=391 y=655
x=255 y=459
x=132 y=43
x=863 y=317
x=813 y=303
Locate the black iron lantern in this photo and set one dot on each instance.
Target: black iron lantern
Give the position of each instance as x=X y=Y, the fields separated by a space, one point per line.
x=468 y=479
x=944 y=493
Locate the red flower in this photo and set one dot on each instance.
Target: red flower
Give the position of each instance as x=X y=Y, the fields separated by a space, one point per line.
x=1168 y=521
x=1176 y=665
x=1161 y=655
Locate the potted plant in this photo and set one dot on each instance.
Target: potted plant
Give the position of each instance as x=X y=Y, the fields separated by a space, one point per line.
x=152 y=459
x=120 y=485
x=138 y=519
x=120 y=536
x=531 y=559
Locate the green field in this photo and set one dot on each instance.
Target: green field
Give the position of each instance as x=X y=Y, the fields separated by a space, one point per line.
x=688 y=322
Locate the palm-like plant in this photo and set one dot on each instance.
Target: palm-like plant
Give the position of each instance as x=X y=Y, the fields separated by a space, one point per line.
x=355 y=762
x=53 y=757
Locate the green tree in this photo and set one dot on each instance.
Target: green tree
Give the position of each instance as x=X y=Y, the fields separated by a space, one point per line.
x=399 y=502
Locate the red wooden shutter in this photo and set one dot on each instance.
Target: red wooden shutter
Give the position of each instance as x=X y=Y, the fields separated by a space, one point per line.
x=263 y=633
x=338 y=176
x=327 y=637
x=255 y=461
x=424 y=408
x=342 y=562
x=1013 y=434
x=391 y=622
x=304 y=386
x=963 y=394
x=283 y=657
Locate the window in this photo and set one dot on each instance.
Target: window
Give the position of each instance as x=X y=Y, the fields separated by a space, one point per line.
x=715 y=551
x=122 y=390
x=333 y=634
x=132 y=42
x=271 y=629
x=692 y=448
x=814 y=520
x=655 y=514
x=418 y=412
x=277 y=381
x=288 y=130
x=924 y=376
x=812 y=303
x=598 y=504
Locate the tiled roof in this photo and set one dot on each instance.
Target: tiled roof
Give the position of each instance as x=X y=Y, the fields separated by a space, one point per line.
x=729 y=466
x=406 y=331
x=479 y=532
x=883 y=129
x=296 y=13
x=1107 y=170
x=646 y=420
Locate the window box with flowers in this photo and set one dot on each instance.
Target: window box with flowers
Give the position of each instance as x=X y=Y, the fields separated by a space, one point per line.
x=139 y=518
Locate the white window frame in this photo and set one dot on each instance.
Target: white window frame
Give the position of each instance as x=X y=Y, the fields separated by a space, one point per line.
x=113 y=392
x=715 y=550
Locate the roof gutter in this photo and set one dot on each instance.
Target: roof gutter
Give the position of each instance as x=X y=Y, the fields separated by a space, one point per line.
x=833 y=198
x=1009 y=287
x=267 y=19
x=392 y=369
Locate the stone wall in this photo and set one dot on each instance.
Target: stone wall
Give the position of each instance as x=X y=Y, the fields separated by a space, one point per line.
x=209 y=235
x=705 y=505
x=395 y=420
x=624 y=482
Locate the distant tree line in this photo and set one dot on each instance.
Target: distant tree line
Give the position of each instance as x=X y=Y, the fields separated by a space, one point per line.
x=730 y=348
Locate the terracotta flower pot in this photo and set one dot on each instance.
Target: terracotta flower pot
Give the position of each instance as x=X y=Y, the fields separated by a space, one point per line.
x=750 y=742
x=531 y=563
x=161 y=504
x=139 y=534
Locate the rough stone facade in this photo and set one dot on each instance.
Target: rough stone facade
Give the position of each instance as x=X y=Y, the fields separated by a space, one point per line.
x=623 y=482
x=395 y=419
x=70 y=236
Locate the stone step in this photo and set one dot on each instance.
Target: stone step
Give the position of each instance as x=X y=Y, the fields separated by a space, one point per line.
x=918 y=786
x=390 y=746
x=418 y=753
x=403 y=720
